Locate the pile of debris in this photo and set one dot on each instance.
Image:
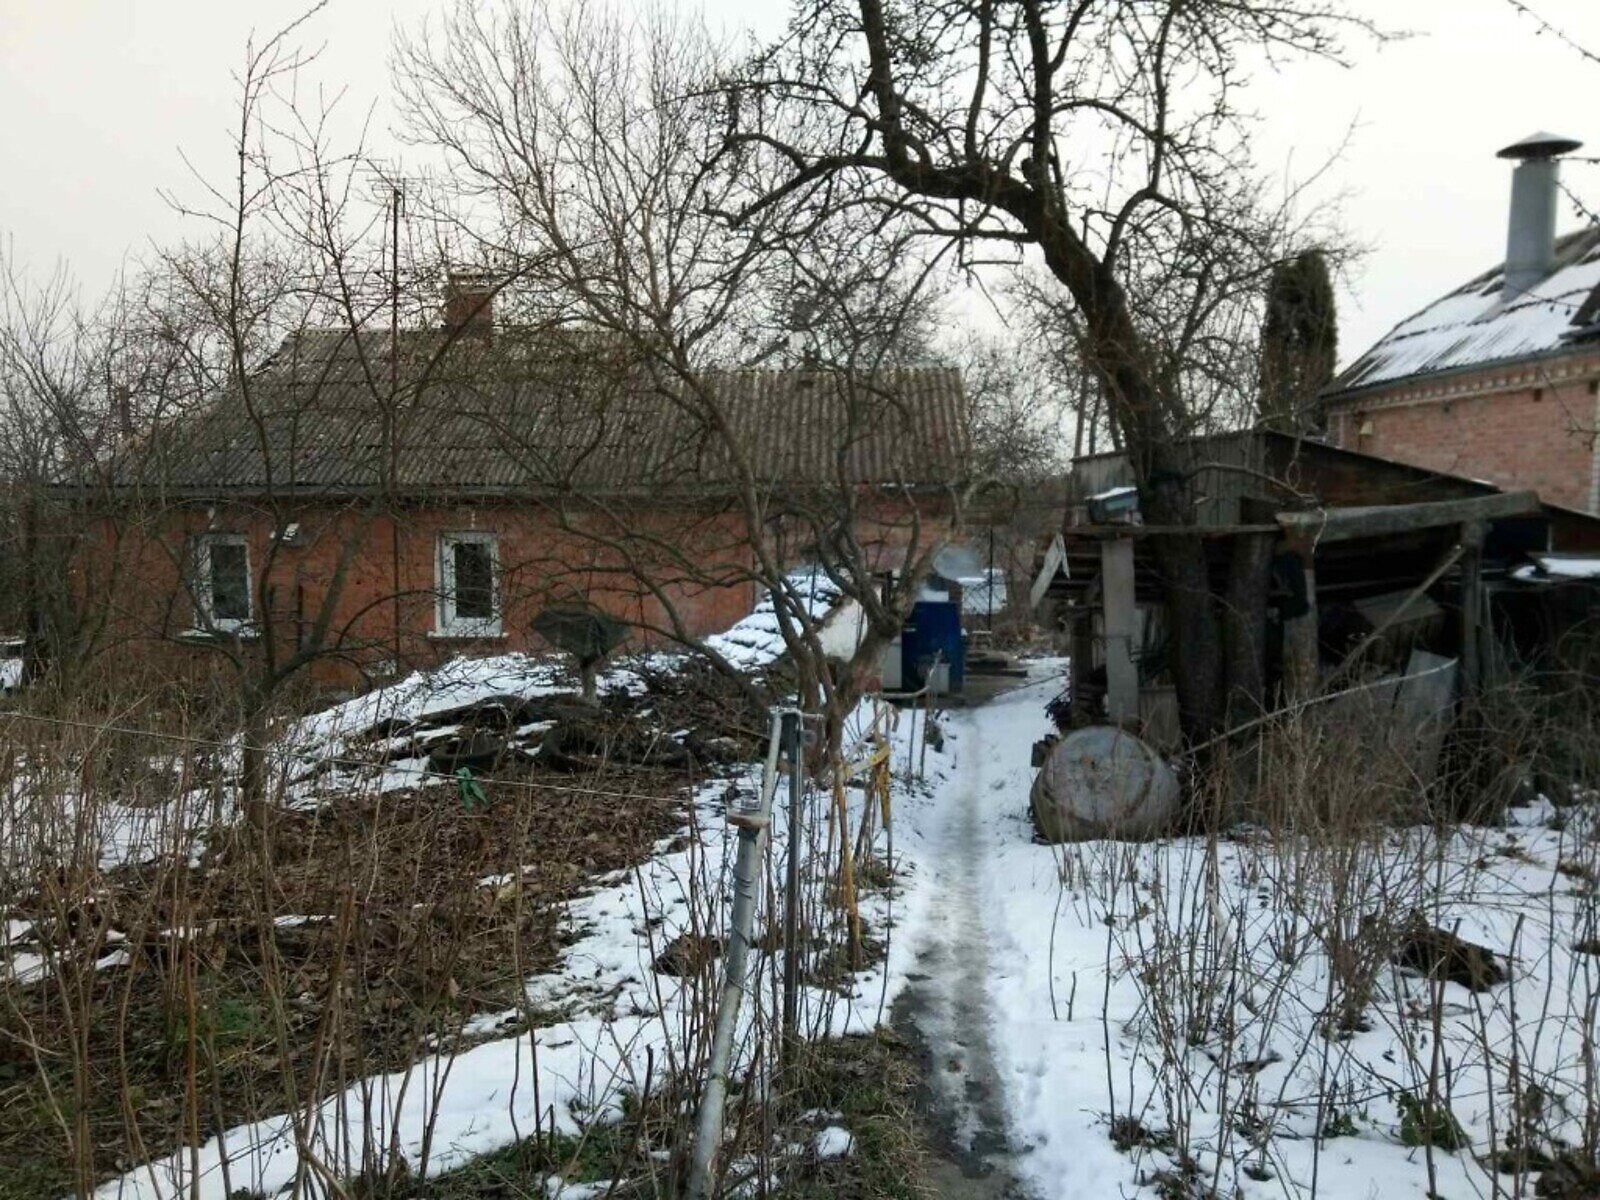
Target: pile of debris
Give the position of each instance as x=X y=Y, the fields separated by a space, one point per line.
x=498 y=731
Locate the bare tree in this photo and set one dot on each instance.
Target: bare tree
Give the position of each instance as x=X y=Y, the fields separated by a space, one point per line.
x=199 y=498
x=54 y=412
x=1105 y=139
x=589 y=161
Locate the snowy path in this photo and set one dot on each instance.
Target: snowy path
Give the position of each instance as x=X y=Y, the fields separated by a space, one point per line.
x=946 y=1001
x=960 y=947
x=1033 y=1047
x=1018 y=1092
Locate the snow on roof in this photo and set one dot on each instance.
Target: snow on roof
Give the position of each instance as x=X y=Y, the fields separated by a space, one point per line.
x=1473 y=325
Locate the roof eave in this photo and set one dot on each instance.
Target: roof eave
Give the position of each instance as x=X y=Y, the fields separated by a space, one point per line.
x=458 y=494
x=1342 y=395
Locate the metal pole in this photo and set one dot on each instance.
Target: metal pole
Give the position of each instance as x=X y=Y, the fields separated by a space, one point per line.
x=989 y=624
x=927 y=715
x=791 y=893
x=752 y=822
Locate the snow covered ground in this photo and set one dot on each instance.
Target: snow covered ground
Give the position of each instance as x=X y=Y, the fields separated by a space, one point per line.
x=1104 y=1019
x=1187 y=985
x=330 y=737
x=616 y=1013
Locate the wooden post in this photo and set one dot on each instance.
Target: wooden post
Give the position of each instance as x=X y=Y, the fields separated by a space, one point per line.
x=1300 y=660
x=1121 y=616
x=1244 y=621
x=1082 y=664
x=1472 y=535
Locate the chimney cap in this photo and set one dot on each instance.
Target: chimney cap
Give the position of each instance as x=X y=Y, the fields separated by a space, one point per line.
x=470 y=279
x=1540 y=145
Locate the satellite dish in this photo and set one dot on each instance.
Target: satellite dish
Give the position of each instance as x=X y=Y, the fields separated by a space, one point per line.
x=587 y=634
x=958 y=562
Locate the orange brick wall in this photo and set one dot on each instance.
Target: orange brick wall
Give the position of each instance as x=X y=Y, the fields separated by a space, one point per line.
x=1539 y=436
x=382 y=572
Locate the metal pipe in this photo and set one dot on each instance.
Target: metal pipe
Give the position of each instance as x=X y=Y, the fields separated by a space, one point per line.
x=791 y=892
x=752 y=822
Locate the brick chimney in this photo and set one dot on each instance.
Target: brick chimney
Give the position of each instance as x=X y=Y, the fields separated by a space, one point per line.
x=469 y=303
x=1531 y=230
x=122 y=406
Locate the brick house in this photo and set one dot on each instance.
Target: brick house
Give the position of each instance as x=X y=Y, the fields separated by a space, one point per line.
x=1500 y=379
x=373 y=505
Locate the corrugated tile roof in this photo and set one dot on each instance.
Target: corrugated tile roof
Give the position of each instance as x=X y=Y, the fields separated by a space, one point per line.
x=522 y=414
x=1474 y=326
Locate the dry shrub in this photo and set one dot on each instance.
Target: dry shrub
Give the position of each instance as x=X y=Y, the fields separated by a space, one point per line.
x=170 y=970
x=1272 y=953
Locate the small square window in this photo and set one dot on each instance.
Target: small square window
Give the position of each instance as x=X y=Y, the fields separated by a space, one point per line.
x=222 y=582
x=469 y=585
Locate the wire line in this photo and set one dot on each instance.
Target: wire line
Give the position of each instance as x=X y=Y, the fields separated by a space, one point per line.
x=356 y=763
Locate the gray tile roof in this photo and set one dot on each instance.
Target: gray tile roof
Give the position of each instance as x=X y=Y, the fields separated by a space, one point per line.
x=520 y=414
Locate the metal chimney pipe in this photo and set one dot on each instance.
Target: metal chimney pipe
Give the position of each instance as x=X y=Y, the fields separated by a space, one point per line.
x=1531 y=230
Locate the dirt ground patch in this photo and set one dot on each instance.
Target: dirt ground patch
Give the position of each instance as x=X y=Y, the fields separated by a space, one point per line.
x=292 y=959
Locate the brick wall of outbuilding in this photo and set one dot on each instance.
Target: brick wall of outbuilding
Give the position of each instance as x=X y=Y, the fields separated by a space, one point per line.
x=1517 y=428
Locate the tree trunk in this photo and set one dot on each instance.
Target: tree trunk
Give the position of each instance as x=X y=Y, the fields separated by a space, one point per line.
x=1151 y=427
x=253 y=762
x=1194 y=631
x=1244 y=626
x=1196 y=655
x=34 y=648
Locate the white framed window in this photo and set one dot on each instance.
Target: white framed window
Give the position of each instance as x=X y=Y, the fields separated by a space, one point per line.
x=469 y=585
x=222 y=592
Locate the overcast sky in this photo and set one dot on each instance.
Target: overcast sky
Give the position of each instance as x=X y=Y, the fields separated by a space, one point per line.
x=98 y=96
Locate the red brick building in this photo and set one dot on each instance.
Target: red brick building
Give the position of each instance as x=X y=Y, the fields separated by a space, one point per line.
x=361 y=503
x=1500 y=379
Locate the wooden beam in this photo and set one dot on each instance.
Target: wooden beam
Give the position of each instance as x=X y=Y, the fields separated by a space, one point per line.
x=1342 y=524
x=1472 y=535
x=1119 y=622
x=1301 y=655
x=1117 y=532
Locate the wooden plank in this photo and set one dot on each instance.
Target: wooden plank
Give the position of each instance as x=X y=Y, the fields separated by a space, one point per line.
x=1054 y=559
x=1301 y=674
x=1472 y=535
x=1120 y=621
x=1116 y=532
x=1342 y=524
x=1415 y=594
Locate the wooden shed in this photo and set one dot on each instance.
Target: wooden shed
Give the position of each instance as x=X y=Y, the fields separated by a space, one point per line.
x=1371 y=559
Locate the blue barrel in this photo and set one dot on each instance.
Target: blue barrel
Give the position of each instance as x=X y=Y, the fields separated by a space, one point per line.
x=932 y=634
